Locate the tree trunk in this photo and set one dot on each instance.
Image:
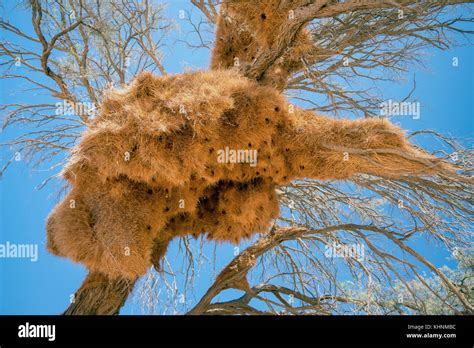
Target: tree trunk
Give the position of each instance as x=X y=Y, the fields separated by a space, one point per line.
x=99 y=294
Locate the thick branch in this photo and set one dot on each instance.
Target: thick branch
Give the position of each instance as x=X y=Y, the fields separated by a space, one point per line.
x=235 y=273
x=99 y=294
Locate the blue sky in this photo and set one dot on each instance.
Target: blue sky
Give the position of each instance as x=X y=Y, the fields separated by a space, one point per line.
x=43 y=287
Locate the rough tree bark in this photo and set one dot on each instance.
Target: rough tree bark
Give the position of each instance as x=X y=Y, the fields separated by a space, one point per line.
x=99 y=294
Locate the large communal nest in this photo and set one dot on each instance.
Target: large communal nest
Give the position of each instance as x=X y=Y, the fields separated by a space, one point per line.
x=202 y=153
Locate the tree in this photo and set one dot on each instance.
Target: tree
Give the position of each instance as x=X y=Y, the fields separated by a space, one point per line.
x=432 y=296
x=308 y=49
